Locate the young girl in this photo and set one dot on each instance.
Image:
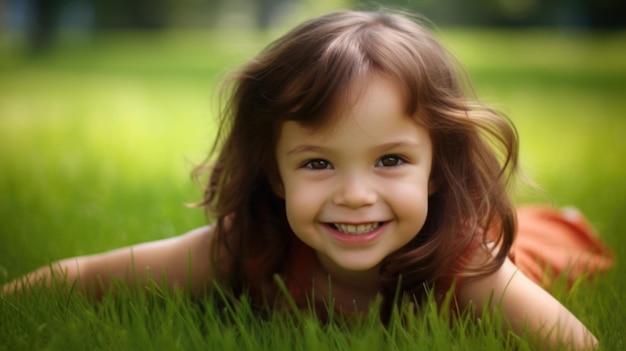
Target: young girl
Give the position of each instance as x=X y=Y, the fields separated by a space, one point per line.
x=352 y=163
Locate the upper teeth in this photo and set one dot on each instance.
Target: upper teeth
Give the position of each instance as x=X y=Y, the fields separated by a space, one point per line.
x=356 y=229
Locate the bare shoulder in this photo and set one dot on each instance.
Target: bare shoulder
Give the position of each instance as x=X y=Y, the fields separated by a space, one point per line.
x=481 y=289
x=526 y=306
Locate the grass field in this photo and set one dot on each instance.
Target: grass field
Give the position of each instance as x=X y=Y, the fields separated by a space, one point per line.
x=97 y=140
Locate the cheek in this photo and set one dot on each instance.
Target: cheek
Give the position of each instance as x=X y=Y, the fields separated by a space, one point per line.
x=302 y=202
x=410 y=201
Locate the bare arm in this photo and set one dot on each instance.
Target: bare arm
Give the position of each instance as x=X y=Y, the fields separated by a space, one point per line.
x=526 y=305
x=184 y=260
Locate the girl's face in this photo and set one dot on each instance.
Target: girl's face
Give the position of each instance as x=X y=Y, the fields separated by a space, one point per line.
x=357 y=191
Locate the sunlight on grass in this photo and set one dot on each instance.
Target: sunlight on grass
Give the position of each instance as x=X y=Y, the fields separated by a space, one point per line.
x=142 y=130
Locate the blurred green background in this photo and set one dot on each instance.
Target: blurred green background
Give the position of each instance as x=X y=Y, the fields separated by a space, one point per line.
x=106 y=105
x=42 y=22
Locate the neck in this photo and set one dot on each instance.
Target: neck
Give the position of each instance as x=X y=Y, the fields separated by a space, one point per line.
x=366 y=281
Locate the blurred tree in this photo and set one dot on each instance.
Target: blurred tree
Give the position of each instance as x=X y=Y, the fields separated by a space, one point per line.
x=579 y=13
x=43 y=17
x=195 y=13
x=607 y=13
x=43 y=26
x=268 y=11
x=145 y=14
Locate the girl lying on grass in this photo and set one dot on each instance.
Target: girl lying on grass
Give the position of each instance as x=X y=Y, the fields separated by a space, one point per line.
x=351 y=155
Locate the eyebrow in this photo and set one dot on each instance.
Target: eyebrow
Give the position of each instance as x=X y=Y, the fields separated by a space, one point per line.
x=305 y=148
x=385 y=146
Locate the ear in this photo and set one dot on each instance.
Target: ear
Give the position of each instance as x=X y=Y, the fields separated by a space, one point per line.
x=278 y=187
x=276 y=183
x=433 y=186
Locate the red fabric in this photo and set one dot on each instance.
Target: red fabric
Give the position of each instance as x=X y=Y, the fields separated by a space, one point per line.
x=553 y=243
x=298 y=278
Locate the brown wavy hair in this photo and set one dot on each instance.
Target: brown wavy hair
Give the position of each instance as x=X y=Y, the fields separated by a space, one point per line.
x=306 y=76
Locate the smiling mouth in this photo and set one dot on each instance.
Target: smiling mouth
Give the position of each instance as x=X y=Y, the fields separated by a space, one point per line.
x=356 y=229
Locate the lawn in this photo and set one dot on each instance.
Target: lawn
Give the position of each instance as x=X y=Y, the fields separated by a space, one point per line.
x=97 y=140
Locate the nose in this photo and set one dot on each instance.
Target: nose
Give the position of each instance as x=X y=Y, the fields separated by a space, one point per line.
x=355 y=191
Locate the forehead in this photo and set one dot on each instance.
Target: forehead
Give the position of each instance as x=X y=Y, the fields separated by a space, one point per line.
x=375 y=113
x=372 y=94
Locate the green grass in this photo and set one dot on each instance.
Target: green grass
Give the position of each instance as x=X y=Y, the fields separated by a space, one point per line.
x=97 y=141
x=165 y=321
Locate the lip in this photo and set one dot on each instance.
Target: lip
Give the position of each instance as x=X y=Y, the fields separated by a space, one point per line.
x=350 y=239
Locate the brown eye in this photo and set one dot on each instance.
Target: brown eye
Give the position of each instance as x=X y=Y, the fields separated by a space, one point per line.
x=318 y=164
x=389 y=161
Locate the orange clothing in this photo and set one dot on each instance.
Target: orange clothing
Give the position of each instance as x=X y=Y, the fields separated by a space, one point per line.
x=553 y=243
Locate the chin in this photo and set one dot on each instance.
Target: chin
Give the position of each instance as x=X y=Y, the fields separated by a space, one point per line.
x=359 y=266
